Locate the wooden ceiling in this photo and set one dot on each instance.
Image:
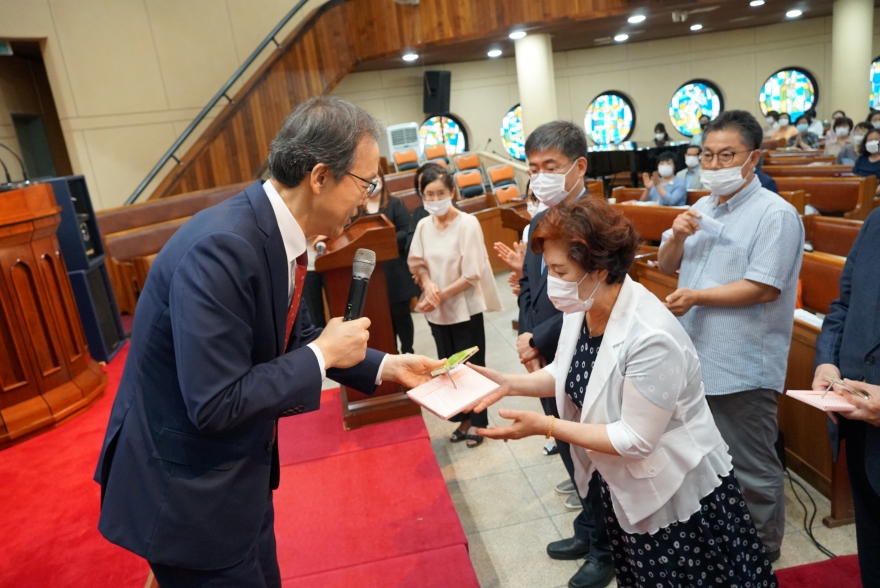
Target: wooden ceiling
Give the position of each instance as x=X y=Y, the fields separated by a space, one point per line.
x=584 y=33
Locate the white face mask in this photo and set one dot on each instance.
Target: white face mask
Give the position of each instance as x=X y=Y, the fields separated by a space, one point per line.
x=857 y=139
x=659 y=136
x=841 y=131
x=783 y=122
x=769 y=120
x=564 y=295
x=665 y=170
x=692 y=161
x=876 y=124
x=535 y=207
x=550 y=188
x=872 y=146
x=723 y=182
x=438 y=207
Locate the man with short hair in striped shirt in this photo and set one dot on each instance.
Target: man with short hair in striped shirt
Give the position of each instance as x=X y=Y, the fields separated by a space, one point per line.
x=739 y=253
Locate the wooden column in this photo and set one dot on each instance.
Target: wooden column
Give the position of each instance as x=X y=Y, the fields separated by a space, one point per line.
x=46 y=372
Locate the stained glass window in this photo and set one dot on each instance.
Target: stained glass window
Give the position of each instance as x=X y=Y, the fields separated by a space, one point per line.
x=610 y=119
x=789 y=90
x=690 y=102
x=443 y=130
x=512 y=133
x=874 y=98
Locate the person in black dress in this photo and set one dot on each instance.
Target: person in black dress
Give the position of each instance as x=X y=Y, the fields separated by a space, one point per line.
x=399 y=282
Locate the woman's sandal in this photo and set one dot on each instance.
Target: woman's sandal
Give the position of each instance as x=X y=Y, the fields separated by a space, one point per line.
x=473 y=441
x=457 y=436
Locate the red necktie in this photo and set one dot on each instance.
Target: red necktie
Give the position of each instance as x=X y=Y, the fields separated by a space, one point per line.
x=301 y=268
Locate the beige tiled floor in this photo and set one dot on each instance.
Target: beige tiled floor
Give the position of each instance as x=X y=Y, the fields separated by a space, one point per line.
x=504 y=491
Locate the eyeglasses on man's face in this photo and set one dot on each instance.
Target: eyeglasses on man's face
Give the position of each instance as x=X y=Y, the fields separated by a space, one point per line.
x=724 y=157
x=371 y=184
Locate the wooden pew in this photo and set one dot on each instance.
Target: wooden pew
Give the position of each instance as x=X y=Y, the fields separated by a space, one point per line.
x=410 y=198
x=624 y=194
x=650 y=221
x=790 y=170
x=851 y=197
x=485 y=209
x=400 y=181
x=797 y=198
x=596 y=188
x=807 y=447
x=515 y=217
x=797 y=158
x=831 y=235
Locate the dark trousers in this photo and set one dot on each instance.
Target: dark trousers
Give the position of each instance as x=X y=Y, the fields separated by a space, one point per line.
x=313 y=296
x=258 y=569
x=458 y=337
x=866 y=502
x=401 y=322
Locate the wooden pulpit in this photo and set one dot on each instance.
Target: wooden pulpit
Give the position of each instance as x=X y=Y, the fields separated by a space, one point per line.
x=378 y=234
x=46 y=372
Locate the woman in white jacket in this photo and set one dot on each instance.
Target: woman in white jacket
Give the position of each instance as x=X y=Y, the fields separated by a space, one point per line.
x=628 y=386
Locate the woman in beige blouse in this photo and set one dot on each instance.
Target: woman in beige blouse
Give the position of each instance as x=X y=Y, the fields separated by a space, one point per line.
x=449 y=262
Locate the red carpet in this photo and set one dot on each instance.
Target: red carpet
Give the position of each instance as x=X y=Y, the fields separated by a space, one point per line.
x=839 y=572
x=366 y=507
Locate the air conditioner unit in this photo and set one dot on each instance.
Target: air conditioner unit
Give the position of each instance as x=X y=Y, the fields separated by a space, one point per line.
x=404 y=136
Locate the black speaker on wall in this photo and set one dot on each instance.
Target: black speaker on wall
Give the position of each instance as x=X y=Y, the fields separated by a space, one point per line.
x=83 y=252
x=436 y=99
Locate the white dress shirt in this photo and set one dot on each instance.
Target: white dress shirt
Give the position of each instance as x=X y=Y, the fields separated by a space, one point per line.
x=295 y=244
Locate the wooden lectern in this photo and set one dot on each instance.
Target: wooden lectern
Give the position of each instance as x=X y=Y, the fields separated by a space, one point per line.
x=378 y=234
x=46 y=372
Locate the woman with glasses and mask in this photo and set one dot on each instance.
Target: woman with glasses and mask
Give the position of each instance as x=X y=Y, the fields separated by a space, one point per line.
x=448 y=260
x=663 y=187
x=839 y=136
x=784 y=130
x=398 y=280
x=805 y=139
x=868 y=162
x=628 y=386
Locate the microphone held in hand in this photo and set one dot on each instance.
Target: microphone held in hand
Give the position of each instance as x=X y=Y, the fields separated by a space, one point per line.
x=362 y=269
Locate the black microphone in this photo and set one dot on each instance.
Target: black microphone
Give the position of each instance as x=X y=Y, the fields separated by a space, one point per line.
x=486 y=148
x=362 y=268
x=20 y=162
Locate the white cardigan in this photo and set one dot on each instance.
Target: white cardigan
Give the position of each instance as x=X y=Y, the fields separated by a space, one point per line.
x=647 y=387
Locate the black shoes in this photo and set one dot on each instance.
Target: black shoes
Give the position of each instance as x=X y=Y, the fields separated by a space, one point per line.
x=774 y=555
x=572 y=548
x=593 y=574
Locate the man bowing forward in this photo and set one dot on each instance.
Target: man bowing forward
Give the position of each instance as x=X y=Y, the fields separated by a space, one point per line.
x=221 y=348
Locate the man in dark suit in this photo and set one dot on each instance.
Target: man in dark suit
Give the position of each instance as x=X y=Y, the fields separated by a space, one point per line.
x=221 y=348
x=849 y=347
x=557 y=156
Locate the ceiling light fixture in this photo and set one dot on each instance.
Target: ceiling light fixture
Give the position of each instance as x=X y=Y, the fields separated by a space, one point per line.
x=696 y=27
x=621 y=37
x=756 y=3
x=636 y=19
x=410 y=56
x=517 y=35
x=494 y=53
x=793 y=13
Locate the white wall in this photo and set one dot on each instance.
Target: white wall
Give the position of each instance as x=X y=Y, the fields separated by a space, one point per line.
x=738 y=62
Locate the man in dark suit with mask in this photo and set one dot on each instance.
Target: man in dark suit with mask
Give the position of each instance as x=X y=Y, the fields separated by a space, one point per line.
x=557 y=156
x=222 y=348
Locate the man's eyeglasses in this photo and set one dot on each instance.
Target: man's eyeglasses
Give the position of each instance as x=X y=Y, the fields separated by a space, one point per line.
x=371 y=184
x=724 y=158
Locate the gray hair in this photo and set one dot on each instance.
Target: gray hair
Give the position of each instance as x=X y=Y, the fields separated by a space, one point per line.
x=750 y=131
x=324 y=129
x=561 y=135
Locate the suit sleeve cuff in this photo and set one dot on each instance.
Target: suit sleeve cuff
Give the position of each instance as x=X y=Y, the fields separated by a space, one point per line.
x=381 y=367
x=321 y=363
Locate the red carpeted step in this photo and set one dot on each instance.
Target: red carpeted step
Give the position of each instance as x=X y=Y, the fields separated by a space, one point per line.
x=438 y=568
x=356 y=508
x=319 y=434
x=51 y=505
x=838 y=572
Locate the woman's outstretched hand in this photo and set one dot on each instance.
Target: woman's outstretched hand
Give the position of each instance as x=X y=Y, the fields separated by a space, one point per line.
x=499 y=393
x=525 y=424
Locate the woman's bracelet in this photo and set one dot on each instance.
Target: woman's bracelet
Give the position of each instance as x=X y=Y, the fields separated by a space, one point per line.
x=550 y=432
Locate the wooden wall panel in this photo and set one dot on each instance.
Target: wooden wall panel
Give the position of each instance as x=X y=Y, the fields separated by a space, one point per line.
x=321 y=51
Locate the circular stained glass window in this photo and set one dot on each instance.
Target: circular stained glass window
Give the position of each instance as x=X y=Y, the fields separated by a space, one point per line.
x=610 y=119
x=444 y=130
x=874 y=97
x=512 y=133
x=690 y=102
x=789 y=90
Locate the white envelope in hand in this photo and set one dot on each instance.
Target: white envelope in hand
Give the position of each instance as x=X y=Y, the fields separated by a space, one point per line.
x=709 y=224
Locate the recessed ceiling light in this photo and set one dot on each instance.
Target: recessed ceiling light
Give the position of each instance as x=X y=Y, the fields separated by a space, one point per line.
x=756 y=3
x=410 y=56
x=636 y=19
x=494 y=53
x=517 y=35
x=696 y=27
x=793 y=13
x=621 y=38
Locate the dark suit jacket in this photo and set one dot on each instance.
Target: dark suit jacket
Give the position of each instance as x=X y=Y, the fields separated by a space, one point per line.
x=537 y=315
x=850 y=337
x=189 y=456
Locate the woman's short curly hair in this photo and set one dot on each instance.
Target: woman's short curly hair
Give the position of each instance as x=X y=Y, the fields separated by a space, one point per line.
x=598 y=236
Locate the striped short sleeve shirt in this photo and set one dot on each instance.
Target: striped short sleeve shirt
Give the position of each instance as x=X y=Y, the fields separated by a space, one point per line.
x=744 y=348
